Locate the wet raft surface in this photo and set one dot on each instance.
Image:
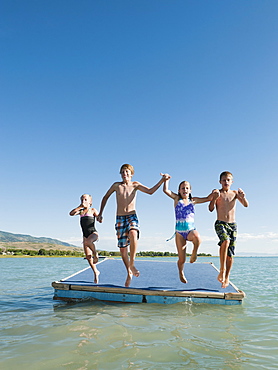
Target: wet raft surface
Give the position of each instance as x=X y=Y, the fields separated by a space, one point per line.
x=157 y=281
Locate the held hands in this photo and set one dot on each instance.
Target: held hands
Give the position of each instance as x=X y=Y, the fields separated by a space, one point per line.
x=215 y=194
x=99 y=218
x=165 y=176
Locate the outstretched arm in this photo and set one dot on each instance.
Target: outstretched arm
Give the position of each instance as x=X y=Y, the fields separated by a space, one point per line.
x=104 y=201
x=241 y=198
x=150 y=191
x=197 y=200
x=215 y=196
x=167 y=191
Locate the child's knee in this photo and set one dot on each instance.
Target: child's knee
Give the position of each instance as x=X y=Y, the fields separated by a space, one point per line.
x=225 y=243
x=133 y=234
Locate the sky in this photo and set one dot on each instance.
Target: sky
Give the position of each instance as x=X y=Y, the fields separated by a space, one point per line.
x=187 y=87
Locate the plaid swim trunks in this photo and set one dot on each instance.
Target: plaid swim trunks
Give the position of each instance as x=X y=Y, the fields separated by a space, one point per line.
x=227 y=231
x=123 y=226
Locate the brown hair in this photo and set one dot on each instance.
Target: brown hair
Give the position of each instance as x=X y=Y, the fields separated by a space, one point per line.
x=225 y=173
x=190 y=195
x=128 y=166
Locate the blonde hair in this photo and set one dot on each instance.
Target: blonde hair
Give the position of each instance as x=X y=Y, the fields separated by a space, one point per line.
x=185 y=182
x=90 y=197
x=128 y=166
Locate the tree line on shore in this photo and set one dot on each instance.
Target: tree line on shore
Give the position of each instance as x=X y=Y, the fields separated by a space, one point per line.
x=70 y=253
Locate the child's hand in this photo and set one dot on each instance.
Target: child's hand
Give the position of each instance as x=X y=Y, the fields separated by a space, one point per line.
x=85 y=204
x=165 y=176
x=241 y=193
x=216 y=194
x=99 y=218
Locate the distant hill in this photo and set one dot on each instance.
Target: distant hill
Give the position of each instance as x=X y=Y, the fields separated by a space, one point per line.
x=21 y=240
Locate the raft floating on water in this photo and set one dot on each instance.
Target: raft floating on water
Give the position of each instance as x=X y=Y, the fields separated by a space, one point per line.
x=158 y=283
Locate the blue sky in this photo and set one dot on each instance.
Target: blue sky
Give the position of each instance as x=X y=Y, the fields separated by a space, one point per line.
x=185 y=87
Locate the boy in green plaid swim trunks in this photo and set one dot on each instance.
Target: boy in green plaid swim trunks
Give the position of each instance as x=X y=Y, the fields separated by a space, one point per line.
x=227 y=231
x=127 y=223
x=225 y=226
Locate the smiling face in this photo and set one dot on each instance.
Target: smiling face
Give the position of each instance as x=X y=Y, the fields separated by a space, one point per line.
x=184 y=189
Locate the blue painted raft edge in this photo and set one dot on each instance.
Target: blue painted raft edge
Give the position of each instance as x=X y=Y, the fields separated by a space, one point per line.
x=78 y=296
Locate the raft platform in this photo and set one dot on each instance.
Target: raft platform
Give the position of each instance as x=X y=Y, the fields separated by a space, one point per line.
x=158 y=283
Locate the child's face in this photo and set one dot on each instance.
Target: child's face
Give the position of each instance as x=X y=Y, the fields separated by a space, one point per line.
x=86 y=200
x=185 y=190
x=126 y=174
x=226 y=182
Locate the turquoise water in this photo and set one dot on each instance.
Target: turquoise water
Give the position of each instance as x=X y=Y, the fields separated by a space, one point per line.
x=39 y=333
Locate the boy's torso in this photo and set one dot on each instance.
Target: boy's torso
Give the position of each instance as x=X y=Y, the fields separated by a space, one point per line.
x=126 y=198
x=225 y=206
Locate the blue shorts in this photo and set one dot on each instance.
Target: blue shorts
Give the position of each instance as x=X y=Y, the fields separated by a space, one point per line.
x=123 y=226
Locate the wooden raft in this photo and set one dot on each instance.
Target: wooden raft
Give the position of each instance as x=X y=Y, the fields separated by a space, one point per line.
x=158 y=283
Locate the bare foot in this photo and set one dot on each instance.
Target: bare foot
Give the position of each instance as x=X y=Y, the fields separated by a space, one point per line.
x=221 y=276
x=95 y=258
x=96 y=276
x=128 y=279
x=193 y=256
x=182 y=277
x=134 y=271
x=225 y=283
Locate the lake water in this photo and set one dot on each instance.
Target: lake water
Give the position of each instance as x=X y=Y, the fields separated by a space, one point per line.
x=39 y=333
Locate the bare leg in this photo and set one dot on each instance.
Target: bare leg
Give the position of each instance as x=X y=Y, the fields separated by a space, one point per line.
x=125 y=258
x=90 y=243
x=229 y=263
x=133 y=235
x=194 y=237
x=90 y=251
x=223 y=262
x=181 y=247
x=129 y=261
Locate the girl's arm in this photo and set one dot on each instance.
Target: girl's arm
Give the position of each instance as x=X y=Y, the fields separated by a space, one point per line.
x=197 y=200
x=167 y=191
x=215 y=196
x=76 y=211
x=94 y=212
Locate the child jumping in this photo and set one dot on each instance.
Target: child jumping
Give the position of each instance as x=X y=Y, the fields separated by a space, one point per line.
x=127 y=225
x=225 y=225
x=185 y=228
x=90 y=235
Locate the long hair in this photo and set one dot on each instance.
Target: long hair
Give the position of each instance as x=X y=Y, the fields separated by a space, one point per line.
x=186 y=182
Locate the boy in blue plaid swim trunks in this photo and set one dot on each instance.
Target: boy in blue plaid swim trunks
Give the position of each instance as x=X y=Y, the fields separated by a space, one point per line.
x=124 y=224
x=225 y=226
x=127 y=223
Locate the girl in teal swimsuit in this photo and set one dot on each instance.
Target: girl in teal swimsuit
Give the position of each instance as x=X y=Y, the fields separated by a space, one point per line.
x=90 y=235
x=185 y=228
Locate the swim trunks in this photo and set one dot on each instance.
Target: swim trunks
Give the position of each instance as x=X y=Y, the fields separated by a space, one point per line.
x=123 y=226
x=184 y=218
x=227 y=231
x=87 y=224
